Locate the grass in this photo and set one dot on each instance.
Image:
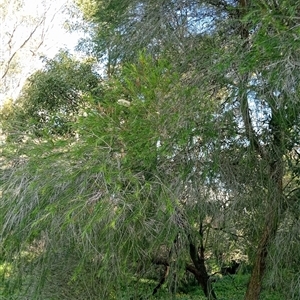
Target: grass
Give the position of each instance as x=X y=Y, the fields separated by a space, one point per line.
x=226 y=288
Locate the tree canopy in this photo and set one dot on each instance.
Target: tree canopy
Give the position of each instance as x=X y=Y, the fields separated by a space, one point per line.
x=52 y=97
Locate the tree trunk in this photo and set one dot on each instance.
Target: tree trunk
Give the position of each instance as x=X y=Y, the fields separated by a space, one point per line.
x=274 y=213
x=203 y=281
x=259 y=267
x=274 y=158
x=199 y=268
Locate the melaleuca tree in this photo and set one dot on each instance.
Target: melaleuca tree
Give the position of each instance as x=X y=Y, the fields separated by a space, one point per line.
x=253 y=70
x=114 y=198
x=204 y=142
x=263 y=95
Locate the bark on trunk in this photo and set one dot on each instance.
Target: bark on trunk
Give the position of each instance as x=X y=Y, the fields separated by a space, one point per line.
x=199 y=268
x=274 y=156
x=203 y=282
x=259 y=267
x=273 y=216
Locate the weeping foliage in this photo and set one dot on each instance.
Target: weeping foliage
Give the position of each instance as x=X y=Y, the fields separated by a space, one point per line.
x=187 y=159
x=107 y=203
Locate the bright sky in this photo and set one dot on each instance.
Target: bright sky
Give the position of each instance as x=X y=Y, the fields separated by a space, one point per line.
x=16 y=25
x=57 y=37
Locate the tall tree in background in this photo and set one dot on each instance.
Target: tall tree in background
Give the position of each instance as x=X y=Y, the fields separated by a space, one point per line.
x=52 y=97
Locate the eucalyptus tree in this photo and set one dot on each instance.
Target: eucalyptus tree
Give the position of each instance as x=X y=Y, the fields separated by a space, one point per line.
x=52 y=97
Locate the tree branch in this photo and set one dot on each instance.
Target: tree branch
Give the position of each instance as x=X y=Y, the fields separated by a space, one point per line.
x=23 y=44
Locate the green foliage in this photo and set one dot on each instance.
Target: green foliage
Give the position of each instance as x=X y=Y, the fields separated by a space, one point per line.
x=195 y=145
x=52 y=97
x=92 y=201
x=110 y=193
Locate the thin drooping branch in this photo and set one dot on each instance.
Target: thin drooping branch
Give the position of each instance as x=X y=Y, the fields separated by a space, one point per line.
x=247 y=120
x=243 y=90
x=21 y=46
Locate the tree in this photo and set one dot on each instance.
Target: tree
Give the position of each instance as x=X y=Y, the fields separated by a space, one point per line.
x=251 y=81
x=133 y=191
x=249 y=68
x=53 y=96
x=195 y=138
